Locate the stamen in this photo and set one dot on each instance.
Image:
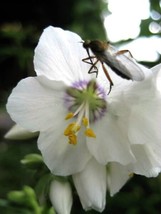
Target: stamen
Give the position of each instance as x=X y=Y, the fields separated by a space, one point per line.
x=69 y=115
x=81 y=107
x=87 y=111
x=72 y=128
x=86 y=104
x=67 y=131
x=72 y=139
x=85 y=121
x=90 y=133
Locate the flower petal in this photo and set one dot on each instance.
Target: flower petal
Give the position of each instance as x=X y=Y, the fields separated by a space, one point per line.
x=157 y=73
x=91 y=186
x=156 y=68
x=61 y=157
x=147 y=162
x=145 y=124
x=36 y=103
x=59 y=56
x=111 y=143
x=144 y=118
x=61 y=196
x=117 y=176
x=19 y=133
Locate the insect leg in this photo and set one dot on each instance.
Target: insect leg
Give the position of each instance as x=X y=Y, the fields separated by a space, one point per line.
x=90 y=57
x=108 y=77
x=86 y=60
x=93 y=64
x=124 y=51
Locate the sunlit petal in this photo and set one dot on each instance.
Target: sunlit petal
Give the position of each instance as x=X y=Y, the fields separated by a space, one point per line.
x=59 y=56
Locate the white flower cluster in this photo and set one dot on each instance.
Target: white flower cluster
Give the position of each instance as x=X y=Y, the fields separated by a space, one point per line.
x=99 y=139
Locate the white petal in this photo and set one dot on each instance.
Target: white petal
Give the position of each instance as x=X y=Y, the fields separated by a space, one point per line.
x=59 y=56
x=156 y=68
x=19 y=133
x=117 y=176
x=61 y=157
x=111 y=144
x=36 y=103
x=91 y=186
x=147 y=163
x=61 y=196
x=145 y=123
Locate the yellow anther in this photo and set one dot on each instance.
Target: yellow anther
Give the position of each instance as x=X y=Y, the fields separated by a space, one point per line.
x=68 y=130
x=72 y=139
x=85 y=121
x=71 y=129
x=90 y=133
x=75 y=128
x=69 y=116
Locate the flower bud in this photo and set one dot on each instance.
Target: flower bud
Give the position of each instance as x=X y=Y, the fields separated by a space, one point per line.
x=61 y=196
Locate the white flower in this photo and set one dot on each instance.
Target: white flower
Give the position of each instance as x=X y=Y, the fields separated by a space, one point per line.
x=83 y=130
x=61 y=196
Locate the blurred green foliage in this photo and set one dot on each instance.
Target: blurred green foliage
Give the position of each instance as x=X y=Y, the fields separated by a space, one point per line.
x=87 y=19
x=21 y=24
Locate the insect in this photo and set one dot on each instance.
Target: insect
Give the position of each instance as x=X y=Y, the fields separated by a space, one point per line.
x=123 y=65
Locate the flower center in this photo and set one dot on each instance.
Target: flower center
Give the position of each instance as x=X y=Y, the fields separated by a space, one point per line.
x=86 y=102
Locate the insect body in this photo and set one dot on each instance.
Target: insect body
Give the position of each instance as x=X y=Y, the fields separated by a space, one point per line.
x=123 y=65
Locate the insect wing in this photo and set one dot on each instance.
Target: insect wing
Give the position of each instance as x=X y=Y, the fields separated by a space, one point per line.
x=123 y=64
